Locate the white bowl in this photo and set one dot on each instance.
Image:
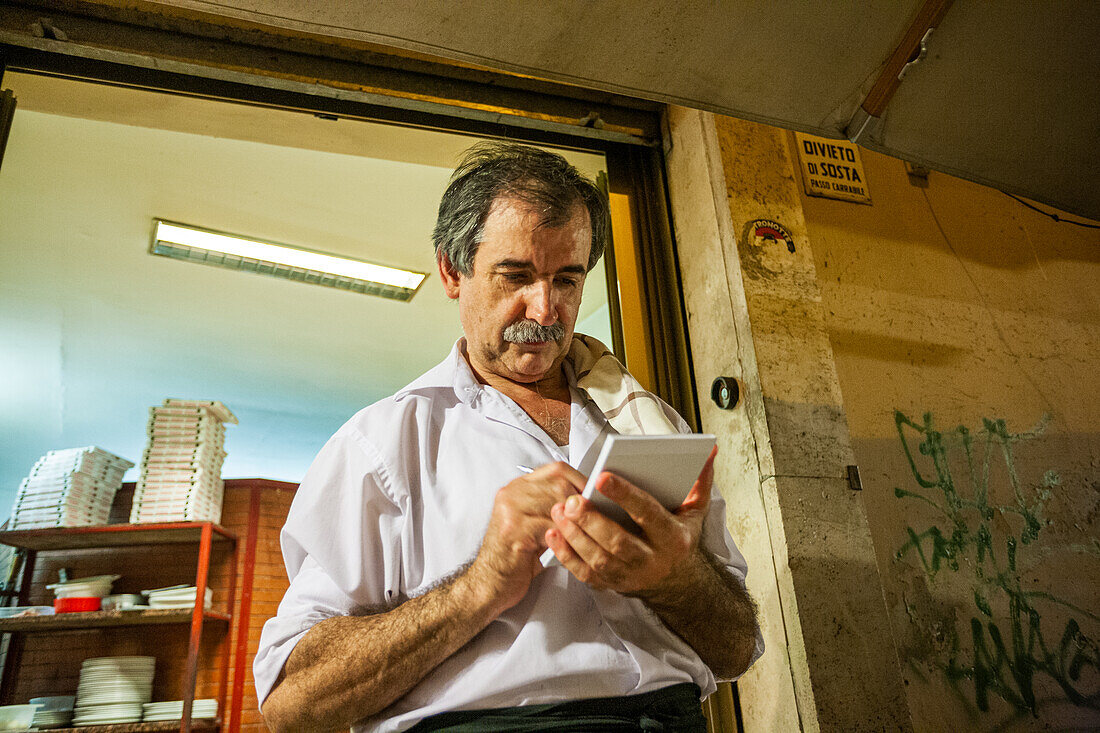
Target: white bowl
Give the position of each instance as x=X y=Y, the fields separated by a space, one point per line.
x=122 y=601
x=54 y=703
x=96 y=586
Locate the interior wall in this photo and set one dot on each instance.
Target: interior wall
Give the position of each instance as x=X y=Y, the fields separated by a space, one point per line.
x=959 y=318
x=94 y=330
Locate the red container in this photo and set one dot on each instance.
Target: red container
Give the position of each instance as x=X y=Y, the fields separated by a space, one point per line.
x=75 y=605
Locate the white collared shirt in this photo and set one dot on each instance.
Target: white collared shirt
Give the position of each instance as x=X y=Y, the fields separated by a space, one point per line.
x=437 y=452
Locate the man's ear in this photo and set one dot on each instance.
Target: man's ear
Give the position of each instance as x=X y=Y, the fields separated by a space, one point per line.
x=450 y=276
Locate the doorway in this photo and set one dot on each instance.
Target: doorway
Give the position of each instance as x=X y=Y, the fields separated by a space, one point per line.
x=97 y=329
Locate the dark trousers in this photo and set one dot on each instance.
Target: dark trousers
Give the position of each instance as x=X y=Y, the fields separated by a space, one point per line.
x=673 y=709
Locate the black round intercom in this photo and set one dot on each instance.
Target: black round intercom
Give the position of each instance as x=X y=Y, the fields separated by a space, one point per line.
x=725 y=392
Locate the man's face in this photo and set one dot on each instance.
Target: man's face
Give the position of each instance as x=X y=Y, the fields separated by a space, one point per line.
x=523 y=274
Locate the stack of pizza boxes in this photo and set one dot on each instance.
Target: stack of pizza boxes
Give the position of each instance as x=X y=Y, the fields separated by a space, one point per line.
x=181 y=467
x=69 y=488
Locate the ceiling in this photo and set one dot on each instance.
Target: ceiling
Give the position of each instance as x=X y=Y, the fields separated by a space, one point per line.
x=1006 y=95
x=395 y=234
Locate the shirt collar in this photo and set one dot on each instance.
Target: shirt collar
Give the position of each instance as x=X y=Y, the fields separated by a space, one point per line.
x=452 y=373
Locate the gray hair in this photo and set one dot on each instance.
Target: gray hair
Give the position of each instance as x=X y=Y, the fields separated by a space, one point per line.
x=492 y=170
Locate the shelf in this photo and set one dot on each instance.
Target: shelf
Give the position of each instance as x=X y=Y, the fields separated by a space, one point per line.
x=196 y=725
x=112 y=535
x=73 y=540
x=106 y=619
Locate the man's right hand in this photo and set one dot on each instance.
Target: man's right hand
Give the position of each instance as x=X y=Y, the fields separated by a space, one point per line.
x=509 y=556
x=347 y=668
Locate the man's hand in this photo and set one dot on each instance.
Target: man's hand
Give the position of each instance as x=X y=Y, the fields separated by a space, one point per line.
x=350 y=667
x=665 y=567
x=602 y=553
x=509 y=556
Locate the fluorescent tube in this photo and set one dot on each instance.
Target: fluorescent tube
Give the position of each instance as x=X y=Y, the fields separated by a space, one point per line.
x=241 y=253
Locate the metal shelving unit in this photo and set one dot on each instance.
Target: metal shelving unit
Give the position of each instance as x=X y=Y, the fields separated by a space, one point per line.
x=76 y=539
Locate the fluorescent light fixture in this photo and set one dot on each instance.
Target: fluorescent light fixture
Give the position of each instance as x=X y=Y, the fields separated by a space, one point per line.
x=193 y=244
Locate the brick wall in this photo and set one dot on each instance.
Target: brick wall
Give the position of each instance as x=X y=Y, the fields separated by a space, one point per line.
x=51 y=662
x=269 y=582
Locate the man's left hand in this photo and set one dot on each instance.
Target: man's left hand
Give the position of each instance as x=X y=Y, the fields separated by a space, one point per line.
x=602 y=553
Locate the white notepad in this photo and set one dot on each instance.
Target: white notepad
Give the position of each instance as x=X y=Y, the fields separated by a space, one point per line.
x=666 y=466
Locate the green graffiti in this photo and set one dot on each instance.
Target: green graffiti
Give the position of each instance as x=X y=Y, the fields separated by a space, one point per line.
x=1008 y=649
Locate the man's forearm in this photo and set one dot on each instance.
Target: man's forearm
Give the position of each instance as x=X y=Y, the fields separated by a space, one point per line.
x=350 y=667
x=707 y=607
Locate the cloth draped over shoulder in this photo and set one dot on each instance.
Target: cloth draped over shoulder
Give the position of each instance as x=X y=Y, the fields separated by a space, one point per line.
x=627 y=405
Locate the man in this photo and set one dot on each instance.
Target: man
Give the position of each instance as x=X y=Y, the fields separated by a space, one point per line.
x=384 y=626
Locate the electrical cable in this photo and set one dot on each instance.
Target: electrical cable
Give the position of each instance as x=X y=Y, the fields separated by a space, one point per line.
x=1051 y=214
x=985 y=303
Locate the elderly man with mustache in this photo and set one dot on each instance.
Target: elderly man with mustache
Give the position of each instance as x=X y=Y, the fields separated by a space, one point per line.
x=417 y=599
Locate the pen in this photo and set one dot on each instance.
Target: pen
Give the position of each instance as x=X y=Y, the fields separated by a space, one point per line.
x=525 y=469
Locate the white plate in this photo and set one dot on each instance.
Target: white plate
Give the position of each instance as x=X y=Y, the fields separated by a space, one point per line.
x=121 y=677
x=108 y=709
x=116 y=679
x=103 y=690
x=93 y=579
x=103 y=683
x=102 y=695
x=197 y=710
x=119 y=694
x=96 y=702
x=202 y=702
x=109 y=661
x=181 y=604
x=190 y=590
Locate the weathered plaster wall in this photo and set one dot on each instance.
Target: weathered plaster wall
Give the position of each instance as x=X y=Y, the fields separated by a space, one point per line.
x=957 y=302
x=755 y=312
x=714 y=296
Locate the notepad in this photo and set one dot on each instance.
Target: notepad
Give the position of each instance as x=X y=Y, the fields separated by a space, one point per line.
x=665 y=466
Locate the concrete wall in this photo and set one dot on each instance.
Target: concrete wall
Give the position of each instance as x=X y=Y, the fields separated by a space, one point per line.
x=755 y=314
x=946 y=339
x=947 y=594
x=948 y=306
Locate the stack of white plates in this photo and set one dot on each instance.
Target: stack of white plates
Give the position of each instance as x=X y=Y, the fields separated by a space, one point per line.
x=173 y=710
x=113 y=690
x=182 y=464
x=53 y=712
x=177 y=597
x=69 y=488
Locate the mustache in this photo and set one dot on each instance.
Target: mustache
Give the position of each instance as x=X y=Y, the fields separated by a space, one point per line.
x=530 y=332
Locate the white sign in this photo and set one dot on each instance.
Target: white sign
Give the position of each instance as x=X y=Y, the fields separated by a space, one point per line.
x=832 y=168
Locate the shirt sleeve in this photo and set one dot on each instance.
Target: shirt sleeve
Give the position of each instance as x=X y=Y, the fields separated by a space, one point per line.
x=716 y=537
x=341 y=548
